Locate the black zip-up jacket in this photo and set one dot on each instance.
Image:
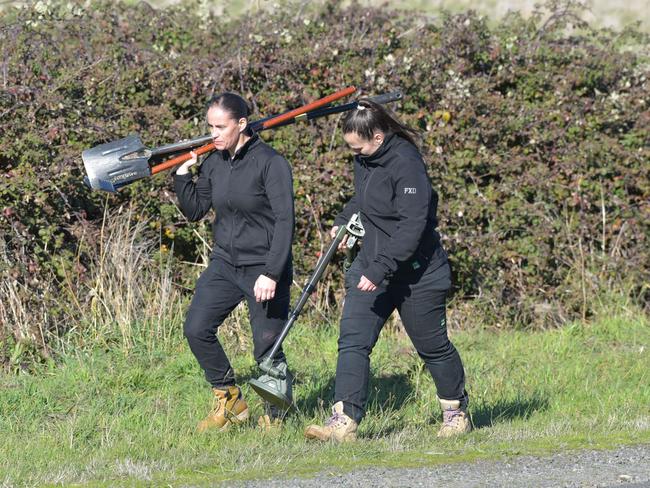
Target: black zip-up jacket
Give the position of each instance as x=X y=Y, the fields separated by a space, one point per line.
x=252 y=195
x=397 y=206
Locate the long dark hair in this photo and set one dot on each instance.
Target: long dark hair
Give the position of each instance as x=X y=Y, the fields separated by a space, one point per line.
x=370 y=117
x=232 y=103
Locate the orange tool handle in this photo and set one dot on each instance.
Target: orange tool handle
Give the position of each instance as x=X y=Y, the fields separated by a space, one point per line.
x=307 y=108
x=170 y=163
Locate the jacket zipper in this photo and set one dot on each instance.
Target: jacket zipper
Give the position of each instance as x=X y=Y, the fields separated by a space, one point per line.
x=232 y=213
x=366 y=185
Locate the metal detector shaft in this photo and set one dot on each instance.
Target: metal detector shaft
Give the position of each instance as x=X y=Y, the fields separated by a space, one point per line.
x=267 y=364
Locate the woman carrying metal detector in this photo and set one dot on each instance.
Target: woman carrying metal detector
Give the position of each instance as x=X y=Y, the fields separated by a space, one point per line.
x=249 y=185
x=401 y=266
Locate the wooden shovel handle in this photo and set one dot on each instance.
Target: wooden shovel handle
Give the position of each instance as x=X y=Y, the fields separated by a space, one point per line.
x=306 y=108
x=267 y=124
x=170 y=163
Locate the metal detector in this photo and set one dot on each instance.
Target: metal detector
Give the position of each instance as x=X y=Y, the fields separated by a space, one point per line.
x=275 y=385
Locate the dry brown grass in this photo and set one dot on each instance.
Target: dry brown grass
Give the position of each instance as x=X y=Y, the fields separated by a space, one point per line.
x=602 y=13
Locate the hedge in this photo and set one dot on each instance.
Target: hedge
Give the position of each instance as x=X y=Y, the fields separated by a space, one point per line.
x=536 y=132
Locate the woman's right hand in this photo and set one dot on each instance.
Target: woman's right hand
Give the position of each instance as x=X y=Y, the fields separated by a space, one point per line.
x=343 y=242
x=184 y=168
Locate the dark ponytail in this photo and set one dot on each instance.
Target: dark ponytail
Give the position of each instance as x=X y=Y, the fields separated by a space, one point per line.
x=370 y=117
x=232 y=103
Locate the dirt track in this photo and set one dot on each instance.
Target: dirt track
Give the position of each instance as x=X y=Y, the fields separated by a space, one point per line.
x=622 y=467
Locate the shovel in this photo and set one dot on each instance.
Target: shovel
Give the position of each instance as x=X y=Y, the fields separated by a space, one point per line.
x=274 y=386
x=116 y=164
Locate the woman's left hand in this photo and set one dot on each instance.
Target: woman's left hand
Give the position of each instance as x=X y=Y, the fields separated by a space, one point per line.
x=366 y=285
x=264 y=288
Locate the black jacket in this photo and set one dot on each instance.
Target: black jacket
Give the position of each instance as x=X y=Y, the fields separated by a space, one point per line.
x=252 y=195
x=397 y=205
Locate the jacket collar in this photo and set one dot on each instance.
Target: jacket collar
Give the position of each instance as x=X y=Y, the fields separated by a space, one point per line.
x=378 y=156
x=242 y=151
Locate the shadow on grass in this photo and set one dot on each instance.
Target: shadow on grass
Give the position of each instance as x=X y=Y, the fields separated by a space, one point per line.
x=386 y=393
x=389 y=394
x=486 y=415
x=312 y=393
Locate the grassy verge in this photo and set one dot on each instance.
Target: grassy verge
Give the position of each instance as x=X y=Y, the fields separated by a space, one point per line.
x=104 y=418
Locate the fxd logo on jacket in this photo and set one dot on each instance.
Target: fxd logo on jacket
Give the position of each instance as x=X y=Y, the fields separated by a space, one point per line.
x=410 y=190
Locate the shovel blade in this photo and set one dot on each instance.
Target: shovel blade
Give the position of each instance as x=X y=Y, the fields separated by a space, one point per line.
x=115 y=164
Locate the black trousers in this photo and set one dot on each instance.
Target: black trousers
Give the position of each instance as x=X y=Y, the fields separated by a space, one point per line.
x=421 y=303
x=219 y=289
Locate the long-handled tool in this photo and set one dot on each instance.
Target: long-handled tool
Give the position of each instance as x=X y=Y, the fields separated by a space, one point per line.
x=116 y=164
x=288 y=118
x=321 y=112
x=275 y=385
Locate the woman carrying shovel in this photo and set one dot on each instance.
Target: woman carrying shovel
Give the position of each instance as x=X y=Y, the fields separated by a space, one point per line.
x=401 y=266
x=249 y=185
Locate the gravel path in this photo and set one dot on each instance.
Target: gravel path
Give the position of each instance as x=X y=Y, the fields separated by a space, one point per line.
x=627 y=467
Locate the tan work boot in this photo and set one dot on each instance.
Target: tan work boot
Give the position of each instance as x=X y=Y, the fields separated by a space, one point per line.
x=229 y=408
x=455 y=420
x=339 y=427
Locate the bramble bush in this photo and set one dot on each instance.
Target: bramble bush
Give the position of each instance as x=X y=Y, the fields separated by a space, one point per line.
x=536 y=132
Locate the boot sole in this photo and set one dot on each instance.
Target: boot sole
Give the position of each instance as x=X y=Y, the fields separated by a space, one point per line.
x=445 y=434
x=312 y=433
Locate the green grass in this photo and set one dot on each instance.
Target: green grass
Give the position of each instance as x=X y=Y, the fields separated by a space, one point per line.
x=102 y=418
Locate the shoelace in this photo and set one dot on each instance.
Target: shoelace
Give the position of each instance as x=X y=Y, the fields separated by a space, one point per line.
x=449 y=417
x=335 y=420
x=219 y=405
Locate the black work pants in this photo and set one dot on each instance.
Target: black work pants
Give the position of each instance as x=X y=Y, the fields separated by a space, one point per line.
x=421 y=303
x=219 y=289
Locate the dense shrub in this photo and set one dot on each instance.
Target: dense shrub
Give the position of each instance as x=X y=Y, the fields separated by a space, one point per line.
x=536 y=132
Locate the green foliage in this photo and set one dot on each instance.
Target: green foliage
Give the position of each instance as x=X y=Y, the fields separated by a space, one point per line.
x=105 y=418
x=536 y=135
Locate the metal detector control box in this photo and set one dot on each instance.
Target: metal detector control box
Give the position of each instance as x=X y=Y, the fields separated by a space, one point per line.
x=355 y=229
